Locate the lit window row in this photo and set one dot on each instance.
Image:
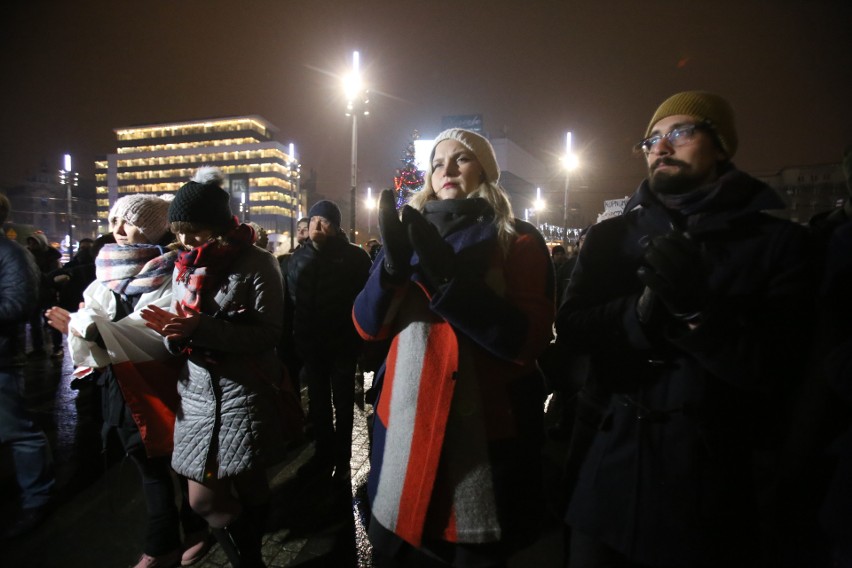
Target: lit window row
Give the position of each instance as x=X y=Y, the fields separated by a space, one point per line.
x=162 y=131
x=168 y=146
x=196 y=160
x=186 y=173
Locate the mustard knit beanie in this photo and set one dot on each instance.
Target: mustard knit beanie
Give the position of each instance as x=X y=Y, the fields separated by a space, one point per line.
x=706 y=107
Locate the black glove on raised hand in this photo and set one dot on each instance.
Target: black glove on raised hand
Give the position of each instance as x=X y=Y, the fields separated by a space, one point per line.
x=395 y=243
x=437 y=259
x=676 y=273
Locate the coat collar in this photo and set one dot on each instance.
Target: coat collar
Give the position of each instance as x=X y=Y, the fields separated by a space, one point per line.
x=735 y=194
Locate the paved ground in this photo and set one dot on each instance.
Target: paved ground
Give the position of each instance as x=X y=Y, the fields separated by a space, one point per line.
x=96 y=520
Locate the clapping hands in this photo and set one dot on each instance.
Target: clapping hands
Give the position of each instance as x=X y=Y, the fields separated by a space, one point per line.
x=675 y=273
x=179 y=326
x=401 y=237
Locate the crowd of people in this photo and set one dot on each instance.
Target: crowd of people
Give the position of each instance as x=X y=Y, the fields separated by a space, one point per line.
x=699 y=345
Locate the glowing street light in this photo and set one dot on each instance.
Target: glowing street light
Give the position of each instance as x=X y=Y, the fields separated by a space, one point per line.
x=356 y=103
x=69 y=179
x=369 y=204
x=539 y=202
x=295 y=209
x=538 y=206
x=570 y=163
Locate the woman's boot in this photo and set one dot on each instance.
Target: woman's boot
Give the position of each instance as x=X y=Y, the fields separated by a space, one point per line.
x=241 y=543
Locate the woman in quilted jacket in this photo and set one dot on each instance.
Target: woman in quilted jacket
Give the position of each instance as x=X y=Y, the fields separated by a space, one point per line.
x=226 y=319
x=109 y=343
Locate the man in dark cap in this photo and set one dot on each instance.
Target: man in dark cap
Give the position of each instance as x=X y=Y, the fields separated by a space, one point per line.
x=691 y=308
x=323 y=278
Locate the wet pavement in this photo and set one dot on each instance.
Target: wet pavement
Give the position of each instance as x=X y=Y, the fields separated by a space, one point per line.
x=96 y=519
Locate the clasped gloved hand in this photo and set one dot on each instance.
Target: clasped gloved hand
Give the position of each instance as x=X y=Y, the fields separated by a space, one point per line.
x=436 y=256
x=395 y=243
x=676 y=274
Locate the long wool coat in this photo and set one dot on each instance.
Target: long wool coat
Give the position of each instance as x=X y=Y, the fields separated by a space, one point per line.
x=458 y=420
x=669 y=479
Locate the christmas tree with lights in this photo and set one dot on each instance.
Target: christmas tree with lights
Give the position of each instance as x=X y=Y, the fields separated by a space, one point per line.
x=408 y=180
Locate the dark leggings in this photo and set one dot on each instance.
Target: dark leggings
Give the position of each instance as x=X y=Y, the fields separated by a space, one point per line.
x=162 y=531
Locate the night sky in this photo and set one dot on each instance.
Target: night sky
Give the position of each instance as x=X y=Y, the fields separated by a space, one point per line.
x=74 y=71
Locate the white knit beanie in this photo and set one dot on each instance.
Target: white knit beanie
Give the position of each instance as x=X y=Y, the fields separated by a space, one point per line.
x=476 y=143
x=147 y=212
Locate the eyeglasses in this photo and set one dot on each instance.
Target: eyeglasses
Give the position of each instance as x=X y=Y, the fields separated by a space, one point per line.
x=677 y=137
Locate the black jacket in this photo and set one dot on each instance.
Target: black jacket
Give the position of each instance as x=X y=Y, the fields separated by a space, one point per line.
x=18 y=294
x=322 y=285
x=668 y=479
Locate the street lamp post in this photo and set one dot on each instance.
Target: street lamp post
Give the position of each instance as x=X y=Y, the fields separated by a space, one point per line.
x=569 y=163
x=295 y=195
x=368 y=203
x=69 y=178
x=356 y=104
x=538 y=207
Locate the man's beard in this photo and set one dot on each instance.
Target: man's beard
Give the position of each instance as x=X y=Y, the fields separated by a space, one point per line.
x=674 y=182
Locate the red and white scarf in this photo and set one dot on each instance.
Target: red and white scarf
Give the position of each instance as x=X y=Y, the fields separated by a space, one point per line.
x=204 y=267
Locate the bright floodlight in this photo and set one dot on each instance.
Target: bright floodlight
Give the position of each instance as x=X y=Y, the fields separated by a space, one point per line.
x=539 y=202
x=352 y=81
x=369 y=201
x=570 y=161
x=67 y=162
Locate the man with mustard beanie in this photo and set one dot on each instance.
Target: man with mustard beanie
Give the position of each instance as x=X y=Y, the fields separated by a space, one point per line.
x=690 y=308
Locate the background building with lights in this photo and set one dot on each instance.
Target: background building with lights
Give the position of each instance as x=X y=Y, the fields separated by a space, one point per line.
x=40 y=203
x=808 y=190
x=262 y=174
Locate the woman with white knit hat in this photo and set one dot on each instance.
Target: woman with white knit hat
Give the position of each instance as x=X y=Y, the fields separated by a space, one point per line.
x=465 y=292
x=110 y=343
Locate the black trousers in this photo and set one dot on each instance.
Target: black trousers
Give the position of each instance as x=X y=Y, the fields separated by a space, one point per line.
x=331 y=394
x=162 y=529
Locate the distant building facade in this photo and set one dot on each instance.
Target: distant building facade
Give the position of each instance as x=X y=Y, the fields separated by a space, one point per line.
x=808 y=189
x=40 y=203
x=262 y=174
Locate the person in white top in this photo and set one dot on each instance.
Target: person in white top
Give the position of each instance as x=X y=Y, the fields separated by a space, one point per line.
x=110 y=343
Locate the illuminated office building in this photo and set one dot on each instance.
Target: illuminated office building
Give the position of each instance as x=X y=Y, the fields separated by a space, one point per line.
x=261 y=174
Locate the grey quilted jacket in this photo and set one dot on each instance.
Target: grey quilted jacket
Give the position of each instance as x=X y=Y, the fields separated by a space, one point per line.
x=227 y=420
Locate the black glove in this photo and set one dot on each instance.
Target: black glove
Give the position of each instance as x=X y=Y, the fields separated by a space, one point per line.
x=394 y=238
x=646 y=306
x=676 y=273
x=437 y=258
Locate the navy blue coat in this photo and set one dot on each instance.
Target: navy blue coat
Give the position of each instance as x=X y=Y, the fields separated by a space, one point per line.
x=668 y=479
x=322 y=284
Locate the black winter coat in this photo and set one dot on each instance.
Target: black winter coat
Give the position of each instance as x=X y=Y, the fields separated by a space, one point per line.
x=668 y=480
x=19 y=278
x=322 y=285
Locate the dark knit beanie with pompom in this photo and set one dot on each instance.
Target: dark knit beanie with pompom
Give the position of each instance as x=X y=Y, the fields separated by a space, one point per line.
x=203 y=201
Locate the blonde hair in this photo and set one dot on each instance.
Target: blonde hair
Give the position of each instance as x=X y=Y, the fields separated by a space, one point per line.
x=491 y=192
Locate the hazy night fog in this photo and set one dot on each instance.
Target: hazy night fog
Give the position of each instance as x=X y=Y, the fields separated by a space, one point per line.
x=74 y=71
